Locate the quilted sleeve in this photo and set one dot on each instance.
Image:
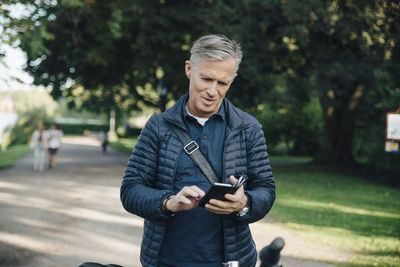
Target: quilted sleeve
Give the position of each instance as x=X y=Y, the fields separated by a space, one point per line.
x=138 y=196
x=260 y=188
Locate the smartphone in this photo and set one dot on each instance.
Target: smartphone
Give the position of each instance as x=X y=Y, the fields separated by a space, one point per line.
x=219 y=190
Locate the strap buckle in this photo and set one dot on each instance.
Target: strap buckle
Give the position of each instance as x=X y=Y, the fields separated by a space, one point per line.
x=231 y=264
x=191 y=147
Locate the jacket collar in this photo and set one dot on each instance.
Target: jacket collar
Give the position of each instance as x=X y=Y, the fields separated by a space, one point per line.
x=234 y=120
x=174 y=114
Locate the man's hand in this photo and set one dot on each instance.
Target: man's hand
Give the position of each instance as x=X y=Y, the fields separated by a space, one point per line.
x=186 y=199
x=234 y=203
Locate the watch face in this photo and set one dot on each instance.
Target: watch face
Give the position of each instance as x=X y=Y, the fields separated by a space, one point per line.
x=243 y=211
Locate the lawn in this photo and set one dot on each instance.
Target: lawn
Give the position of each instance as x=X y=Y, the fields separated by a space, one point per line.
x=333 y=210
x=125 y=144
x=340 y=211
x=12 y=154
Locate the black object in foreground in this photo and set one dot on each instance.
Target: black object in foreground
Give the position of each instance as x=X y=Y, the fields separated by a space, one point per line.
x=219 y=190
x=95 y=264
x=270 y=255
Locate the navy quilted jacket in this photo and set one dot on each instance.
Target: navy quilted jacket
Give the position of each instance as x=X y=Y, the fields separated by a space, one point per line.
x=151 y=169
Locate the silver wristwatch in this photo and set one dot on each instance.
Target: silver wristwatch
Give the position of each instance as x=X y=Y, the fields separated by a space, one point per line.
x=243 y=212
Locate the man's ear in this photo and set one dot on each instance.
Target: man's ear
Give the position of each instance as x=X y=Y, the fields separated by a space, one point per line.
x=188 y=68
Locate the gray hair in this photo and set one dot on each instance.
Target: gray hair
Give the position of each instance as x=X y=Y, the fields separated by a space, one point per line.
x=216 y=47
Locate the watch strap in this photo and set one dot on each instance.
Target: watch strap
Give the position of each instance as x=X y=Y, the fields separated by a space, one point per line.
x=164 y=206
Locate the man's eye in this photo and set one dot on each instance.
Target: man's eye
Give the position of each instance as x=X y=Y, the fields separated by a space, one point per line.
x=222 y=83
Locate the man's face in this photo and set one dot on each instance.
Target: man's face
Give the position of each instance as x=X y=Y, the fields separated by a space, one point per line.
x=209 y=83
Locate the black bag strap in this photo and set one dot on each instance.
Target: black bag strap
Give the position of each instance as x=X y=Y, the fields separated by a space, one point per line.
x=192 y=149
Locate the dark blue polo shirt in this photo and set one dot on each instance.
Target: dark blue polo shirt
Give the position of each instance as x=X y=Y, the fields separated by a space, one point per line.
x=195 y=237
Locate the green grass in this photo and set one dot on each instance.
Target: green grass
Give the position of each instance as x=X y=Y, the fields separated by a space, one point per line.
x=12 y=154
x=125 y=144
x=340 y=211
x=288 y=160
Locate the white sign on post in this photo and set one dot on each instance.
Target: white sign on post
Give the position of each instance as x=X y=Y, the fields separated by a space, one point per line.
x=393 y=126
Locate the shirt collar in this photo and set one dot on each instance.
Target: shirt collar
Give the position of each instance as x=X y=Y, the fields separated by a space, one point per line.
x=220 y=114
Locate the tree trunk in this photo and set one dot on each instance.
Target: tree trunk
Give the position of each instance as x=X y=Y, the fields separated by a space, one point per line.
x=337 y=147
x=338 y=137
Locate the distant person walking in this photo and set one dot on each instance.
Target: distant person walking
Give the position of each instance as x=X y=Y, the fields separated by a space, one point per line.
x=39 y=145
x=54 y=135
x=103 y=137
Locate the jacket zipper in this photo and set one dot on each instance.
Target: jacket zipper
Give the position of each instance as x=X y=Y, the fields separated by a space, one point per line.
x=224 y=174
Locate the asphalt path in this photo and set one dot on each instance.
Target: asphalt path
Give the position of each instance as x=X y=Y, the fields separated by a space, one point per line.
x=72 y=213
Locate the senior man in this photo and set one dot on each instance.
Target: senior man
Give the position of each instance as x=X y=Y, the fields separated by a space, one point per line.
x=163 y=185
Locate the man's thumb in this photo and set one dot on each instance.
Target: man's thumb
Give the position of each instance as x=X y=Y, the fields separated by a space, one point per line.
x=233 y=179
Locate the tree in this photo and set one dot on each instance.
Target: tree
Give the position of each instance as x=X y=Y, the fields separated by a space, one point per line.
x=111 y=54
x=127 y=54
x=330 y=49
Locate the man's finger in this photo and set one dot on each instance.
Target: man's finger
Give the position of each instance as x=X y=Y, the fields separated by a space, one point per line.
x=198 y=190
x=182 y=199
x=222 y=204
x=233 y=179
x=232 y=198
x=192 y=191
x=218 y=210
x=236 y=196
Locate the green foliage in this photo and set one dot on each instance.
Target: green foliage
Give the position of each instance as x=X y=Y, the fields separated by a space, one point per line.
x=111 y=50
x=124 y=55
x=26 y=125
x=125 y=145
x=370 y=129
x=290 y=130
x=78 y=128
x=77 y=113
x=328 y=49
x=32 y=108
x=25 y=101
x=12 y=154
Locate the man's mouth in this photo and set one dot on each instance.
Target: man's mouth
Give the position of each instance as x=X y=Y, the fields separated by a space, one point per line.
x=208 y=101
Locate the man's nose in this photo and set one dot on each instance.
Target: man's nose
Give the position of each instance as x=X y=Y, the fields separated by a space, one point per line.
x=212 y=89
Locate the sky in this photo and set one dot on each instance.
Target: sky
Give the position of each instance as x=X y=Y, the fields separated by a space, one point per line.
x=15 y=59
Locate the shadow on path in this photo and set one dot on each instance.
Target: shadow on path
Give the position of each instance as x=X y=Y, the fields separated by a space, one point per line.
x=70 y=214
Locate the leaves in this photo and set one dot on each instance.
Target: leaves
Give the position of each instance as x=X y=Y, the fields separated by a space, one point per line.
x=294 y=52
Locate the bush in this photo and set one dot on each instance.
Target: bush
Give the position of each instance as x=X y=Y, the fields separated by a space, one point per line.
x=127 y=131
x=369 y=139
x=78 y=128
x=27 y=123
x=292 y=131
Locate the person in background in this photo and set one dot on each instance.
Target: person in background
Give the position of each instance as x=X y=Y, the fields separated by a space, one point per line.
x=163 y=185
x=103 y=137
x=39 y=145
x=55 y=135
